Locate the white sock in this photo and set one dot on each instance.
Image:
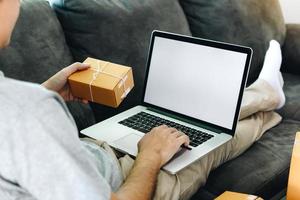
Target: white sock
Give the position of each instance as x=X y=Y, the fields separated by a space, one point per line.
x=271 y=70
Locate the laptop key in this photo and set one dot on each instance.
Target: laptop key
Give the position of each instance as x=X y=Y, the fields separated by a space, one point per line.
x=145 y=122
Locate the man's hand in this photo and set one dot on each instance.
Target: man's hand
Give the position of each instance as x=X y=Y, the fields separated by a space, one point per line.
x=162 y=142
x=59 y=83
x=156 y=148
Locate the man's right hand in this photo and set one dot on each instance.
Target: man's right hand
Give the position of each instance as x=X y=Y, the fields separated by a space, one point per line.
x=162 y=143
x=156 y=148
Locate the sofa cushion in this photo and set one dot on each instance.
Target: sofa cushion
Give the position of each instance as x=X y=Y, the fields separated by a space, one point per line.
x=291 y=49
x=249 y=22
x=38 y=50
x=291 y=108
x=262 y=170
x=118 y=31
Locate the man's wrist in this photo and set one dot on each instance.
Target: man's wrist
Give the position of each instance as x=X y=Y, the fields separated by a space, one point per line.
x=49 y=85
x=142 y=179
x=45 y=85
x=150 y=158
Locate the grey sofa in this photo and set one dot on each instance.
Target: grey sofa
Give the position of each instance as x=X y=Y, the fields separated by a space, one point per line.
x=48 y=38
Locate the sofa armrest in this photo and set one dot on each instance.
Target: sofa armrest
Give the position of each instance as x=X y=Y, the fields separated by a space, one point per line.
x=291 y=50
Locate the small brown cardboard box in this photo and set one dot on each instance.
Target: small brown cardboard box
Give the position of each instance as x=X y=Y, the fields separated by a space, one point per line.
x=104 y=82
x=237 y=196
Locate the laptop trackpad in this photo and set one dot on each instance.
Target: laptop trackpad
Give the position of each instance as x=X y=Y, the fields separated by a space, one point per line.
x=128 y=143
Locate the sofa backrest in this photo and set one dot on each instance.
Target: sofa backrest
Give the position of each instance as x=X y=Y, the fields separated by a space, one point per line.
x=291 y=50
x=118 y=31
x=246 y=22
x=38 y=48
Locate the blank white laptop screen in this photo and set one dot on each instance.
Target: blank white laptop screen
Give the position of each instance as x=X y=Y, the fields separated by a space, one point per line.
x=195 y=80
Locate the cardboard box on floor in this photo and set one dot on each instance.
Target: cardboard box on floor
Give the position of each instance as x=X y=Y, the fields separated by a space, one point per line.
x=104 y=82
x=237 y=196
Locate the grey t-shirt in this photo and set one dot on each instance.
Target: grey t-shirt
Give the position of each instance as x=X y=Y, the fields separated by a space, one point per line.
x=41 y=156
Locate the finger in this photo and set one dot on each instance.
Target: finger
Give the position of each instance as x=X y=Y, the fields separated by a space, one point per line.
x=159 y=128
x=173 y=130
x=162 y=126
x=83 y=66
x=82 y=100
x=76 y=99
x=183 y=140
x=75 y=67
x=179 y=133
x=85 y=101
x=71 y=98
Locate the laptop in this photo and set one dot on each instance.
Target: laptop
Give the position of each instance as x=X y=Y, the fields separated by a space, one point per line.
x=194 y=85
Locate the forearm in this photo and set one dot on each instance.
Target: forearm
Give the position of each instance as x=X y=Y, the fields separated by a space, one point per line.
x=52 y=84
x=141 y=182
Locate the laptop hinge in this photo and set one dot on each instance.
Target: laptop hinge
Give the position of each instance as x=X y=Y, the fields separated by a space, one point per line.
x=193 y=122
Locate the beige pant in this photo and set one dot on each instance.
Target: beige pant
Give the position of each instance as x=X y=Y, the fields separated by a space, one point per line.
x=255 y=118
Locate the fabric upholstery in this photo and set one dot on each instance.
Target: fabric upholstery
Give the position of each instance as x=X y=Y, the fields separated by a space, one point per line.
x=291 y=49
x=249 y=22
x=291 y=110
x=38 y=50
x=261 y=170
x=118 y=31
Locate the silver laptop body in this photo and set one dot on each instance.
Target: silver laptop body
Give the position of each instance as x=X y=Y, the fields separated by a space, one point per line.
x=194 y=83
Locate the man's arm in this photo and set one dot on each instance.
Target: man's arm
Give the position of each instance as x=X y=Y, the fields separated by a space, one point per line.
x=140 y=183
x=155 y=149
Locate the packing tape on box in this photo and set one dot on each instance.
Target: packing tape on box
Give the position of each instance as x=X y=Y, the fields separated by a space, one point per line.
x=99 y=70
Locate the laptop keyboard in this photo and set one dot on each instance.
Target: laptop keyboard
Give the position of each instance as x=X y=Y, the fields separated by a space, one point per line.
x=144 y=122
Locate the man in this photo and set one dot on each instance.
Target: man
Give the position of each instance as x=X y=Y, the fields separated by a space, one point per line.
x=43 y=158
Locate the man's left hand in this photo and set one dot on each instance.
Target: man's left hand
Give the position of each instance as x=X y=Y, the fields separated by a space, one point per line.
x=59 y=82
